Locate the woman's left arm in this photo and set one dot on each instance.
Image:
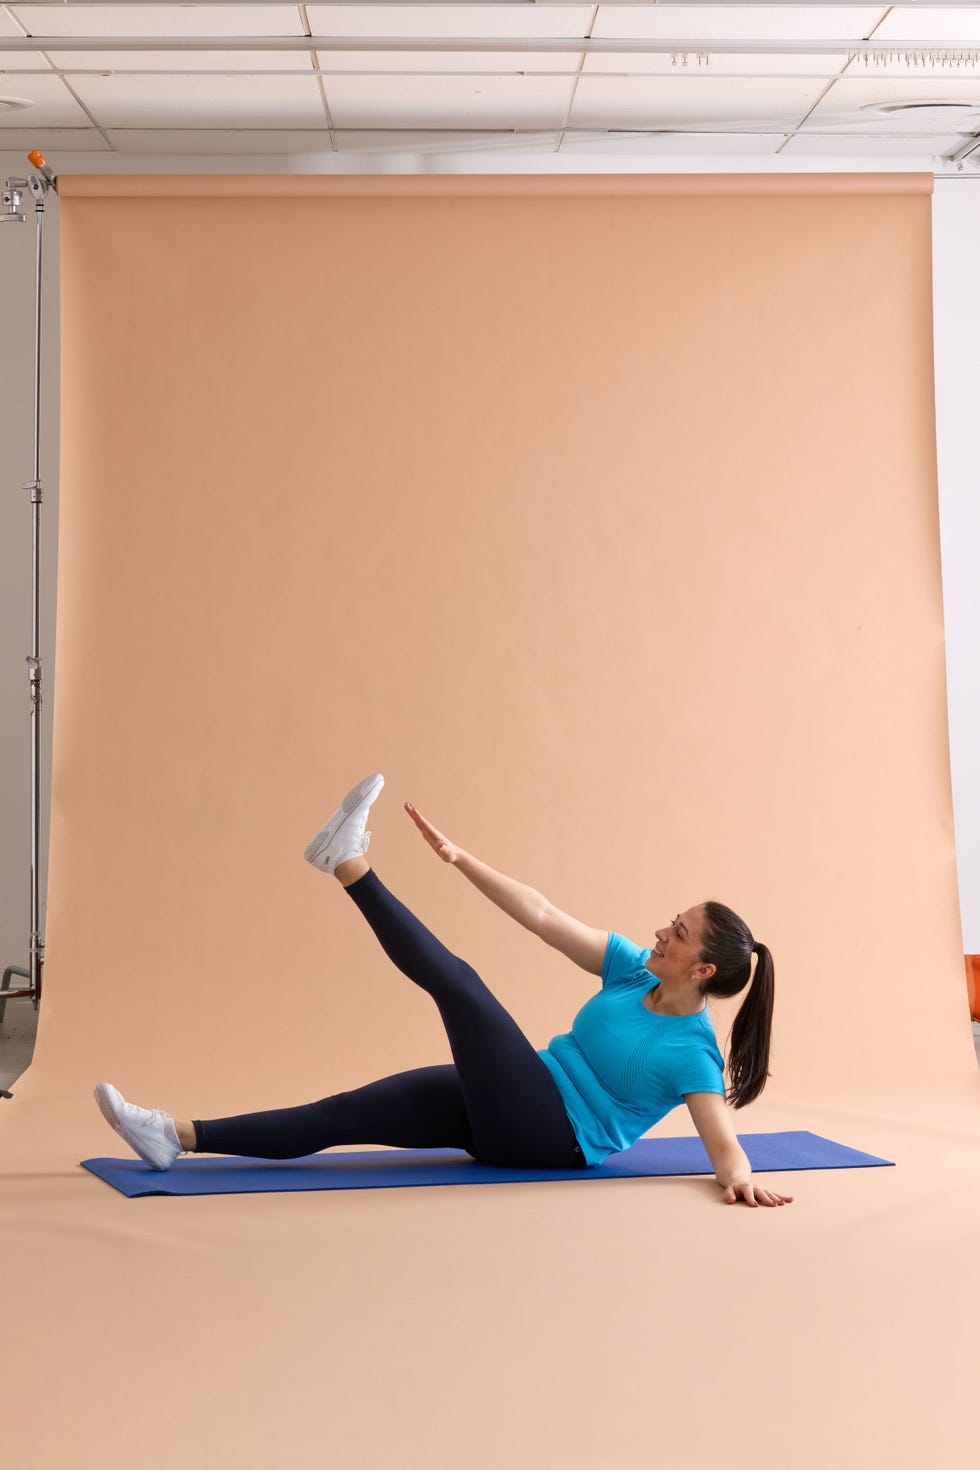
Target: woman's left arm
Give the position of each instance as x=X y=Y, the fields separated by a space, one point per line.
x=713 y=1120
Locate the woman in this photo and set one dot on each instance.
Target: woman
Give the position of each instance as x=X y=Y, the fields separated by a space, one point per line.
x=590 y=1093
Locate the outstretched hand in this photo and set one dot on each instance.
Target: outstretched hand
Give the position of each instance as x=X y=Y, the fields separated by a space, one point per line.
x=754 y=1194
x=440 y=845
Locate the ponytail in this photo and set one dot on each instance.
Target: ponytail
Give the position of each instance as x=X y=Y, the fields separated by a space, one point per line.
x=729 y=946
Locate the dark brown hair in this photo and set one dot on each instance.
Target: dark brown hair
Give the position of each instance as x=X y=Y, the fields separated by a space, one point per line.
x=729 y=946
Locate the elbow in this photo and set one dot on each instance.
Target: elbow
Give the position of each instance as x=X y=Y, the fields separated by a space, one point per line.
x=540 y=922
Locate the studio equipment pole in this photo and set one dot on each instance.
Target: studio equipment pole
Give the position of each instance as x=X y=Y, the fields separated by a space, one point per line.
x=38 y=183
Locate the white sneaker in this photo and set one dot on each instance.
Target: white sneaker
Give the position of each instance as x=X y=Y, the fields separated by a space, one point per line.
x=144 y=1130
x=343 y=836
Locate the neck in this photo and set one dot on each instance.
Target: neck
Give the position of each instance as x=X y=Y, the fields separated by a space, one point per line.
x=675 y=1005
x=674 y=997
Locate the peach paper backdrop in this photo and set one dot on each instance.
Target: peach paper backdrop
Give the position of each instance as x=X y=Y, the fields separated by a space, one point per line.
x=601 y=516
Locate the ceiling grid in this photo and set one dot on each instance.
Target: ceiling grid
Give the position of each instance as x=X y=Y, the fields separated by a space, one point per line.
x=838 y=81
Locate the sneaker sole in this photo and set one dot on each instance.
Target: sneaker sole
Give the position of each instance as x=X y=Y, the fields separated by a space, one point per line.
x=366 y=790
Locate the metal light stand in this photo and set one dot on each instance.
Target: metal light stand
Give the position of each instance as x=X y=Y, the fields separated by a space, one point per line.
x=38 y=184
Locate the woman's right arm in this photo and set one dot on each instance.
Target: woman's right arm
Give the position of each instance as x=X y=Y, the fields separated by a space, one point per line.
x=585 y=946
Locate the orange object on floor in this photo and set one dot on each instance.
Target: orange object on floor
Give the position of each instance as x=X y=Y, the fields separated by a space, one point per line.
x=973 y=983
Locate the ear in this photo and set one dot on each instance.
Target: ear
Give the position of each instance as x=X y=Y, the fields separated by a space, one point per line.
x=705 y=972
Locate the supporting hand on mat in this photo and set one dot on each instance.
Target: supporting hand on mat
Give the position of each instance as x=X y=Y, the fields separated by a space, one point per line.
x=754 y=1194
x=447 y=850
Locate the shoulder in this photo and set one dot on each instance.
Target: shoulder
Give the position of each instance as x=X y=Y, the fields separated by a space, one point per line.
x=623 y=958
x=626 y=951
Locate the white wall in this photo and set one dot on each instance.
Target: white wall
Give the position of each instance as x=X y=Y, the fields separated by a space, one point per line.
x=956 y=307
x=956 y=235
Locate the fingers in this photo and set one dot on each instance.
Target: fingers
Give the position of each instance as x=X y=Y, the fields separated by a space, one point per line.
x=735 y=1193
x=424 y=827
x=439 y=843
x=418 y=819
x=754 y=1195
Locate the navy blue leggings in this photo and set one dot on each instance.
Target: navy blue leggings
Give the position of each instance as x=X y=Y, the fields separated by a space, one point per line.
x=498 y=1102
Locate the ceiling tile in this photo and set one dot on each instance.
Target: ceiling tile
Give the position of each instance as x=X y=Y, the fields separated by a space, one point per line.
x=928 y=150
x=447 y=21
x=15 y=60
x=462 y=103
x=703 y=101
x=52 y=105
x=183 y=63
x=684 y=145
x=219 y=142
x=737 y=22
x=201 y=102
x=945 y=22
x=54 y=141
x=749 y=68
x=447 y=63
x=11 y=62
x=159 y=20
x=849 y=102
x=15 y=101
x=411 y=141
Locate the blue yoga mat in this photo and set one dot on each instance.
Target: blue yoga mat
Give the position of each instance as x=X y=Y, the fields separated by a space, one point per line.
x=398 y=1168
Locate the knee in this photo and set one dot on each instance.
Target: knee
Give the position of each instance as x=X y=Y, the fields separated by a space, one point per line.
x=466 y=972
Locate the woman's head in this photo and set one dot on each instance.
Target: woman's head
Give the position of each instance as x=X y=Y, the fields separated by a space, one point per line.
x=676 y=956
x=727 y=945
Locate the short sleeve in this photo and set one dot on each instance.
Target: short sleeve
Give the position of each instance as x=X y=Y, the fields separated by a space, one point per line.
x=622 y=961
x=701 y=1074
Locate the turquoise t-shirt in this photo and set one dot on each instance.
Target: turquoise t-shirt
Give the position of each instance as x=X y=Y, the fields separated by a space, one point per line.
x=621 y=1068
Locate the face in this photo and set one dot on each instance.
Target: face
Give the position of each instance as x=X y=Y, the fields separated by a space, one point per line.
x=679 y=946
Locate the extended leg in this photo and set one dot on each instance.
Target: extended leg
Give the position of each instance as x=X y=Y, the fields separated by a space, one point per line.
x=422 y=1108
x=187 y=1136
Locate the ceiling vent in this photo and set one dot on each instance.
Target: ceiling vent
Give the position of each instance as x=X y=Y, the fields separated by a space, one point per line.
x=941 y=115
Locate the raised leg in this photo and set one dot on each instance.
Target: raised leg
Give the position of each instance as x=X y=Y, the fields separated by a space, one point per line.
x=349 y=872
x=515 y=1110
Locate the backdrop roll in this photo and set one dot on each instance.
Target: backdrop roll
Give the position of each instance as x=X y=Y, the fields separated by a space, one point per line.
x=604 y=524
